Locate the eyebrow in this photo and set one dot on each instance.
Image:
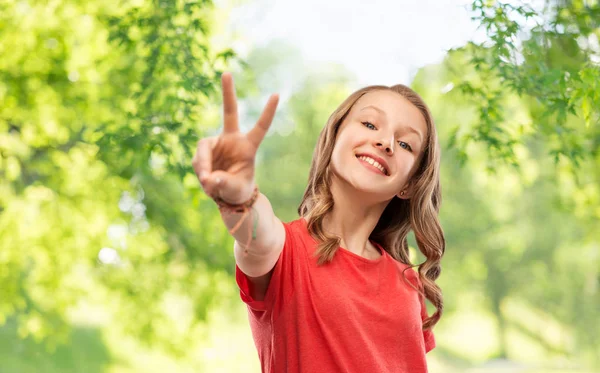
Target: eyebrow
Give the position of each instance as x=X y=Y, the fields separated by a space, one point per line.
x=409 y=128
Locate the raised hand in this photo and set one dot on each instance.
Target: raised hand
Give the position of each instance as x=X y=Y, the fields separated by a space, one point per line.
x=224 y=164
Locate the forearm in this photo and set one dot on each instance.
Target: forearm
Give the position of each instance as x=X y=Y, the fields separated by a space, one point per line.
x=257 y=233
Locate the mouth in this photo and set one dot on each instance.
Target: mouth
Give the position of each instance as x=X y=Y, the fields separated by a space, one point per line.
x=374 y=163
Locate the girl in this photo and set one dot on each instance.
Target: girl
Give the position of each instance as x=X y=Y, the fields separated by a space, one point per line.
x=334 y=291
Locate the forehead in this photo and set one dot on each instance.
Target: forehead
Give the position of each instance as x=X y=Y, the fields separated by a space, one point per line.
x=396 y=109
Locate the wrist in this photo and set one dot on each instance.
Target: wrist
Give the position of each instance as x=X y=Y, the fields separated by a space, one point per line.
x=226 y=206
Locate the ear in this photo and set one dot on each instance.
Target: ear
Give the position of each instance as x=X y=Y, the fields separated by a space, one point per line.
x=406 y=192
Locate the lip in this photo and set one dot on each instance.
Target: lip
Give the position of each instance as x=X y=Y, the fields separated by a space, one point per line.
x=379 y=160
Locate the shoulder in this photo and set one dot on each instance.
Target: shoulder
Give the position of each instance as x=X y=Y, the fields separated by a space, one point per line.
x=297 y=230
x=409 y=273
x=296 y=235
x=296 y=224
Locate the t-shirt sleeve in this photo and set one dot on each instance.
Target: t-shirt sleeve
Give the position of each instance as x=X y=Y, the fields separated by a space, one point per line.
x=280 y=286
x=428 y=336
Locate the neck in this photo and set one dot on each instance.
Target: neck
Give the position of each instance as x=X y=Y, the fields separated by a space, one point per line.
x=353 y=218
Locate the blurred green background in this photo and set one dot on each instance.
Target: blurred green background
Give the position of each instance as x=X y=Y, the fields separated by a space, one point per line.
x=112 y=260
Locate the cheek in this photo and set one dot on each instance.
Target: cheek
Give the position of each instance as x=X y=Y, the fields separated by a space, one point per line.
x=346 y=142
x=404 y=166
x=336 y=158
x=341 y=156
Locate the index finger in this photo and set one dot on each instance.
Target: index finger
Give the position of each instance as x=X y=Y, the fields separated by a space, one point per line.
x=230 y=111
x=202 y=161
x=259 y=131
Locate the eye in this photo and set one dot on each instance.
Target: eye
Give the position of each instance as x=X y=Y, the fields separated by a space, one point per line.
x=405 y=145
x=369 y=125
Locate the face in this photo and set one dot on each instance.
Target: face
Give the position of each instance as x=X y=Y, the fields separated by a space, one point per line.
x=379 y=145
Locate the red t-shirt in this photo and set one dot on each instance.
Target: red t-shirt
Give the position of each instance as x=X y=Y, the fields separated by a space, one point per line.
x=351 y=315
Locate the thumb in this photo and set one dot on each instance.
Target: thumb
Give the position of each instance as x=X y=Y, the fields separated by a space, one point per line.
x=216 y=182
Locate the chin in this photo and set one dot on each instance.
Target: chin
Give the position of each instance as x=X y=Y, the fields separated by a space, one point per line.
x=367 y=187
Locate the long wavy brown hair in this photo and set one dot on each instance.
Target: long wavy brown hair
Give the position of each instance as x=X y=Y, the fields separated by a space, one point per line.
x=419 y=213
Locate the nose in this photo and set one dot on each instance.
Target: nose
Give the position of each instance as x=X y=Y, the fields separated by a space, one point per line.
x=387 y=147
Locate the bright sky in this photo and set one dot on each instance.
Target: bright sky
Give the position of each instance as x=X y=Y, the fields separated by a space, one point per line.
x=381 y=41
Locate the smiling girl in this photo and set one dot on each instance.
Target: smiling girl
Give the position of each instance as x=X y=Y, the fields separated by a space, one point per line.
x=334 y=290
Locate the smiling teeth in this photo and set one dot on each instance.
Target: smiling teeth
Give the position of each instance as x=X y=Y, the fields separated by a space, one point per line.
x=373 y=162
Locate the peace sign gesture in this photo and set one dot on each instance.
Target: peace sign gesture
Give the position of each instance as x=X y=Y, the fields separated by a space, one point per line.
x=224 y=164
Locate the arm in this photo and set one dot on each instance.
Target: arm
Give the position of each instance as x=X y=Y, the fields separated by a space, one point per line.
x=225 y=168
x=258 y=259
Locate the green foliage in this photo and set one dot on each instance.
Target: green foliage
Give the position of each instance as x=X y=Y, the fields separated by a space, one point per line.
x=523 y=106
x=86 y=353
x=552 y=64
x=100 y=110
x=526 y=235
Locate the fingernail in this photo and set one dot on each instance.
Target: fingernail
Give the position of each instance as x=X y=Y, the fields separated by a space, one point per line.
x=218 y=181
